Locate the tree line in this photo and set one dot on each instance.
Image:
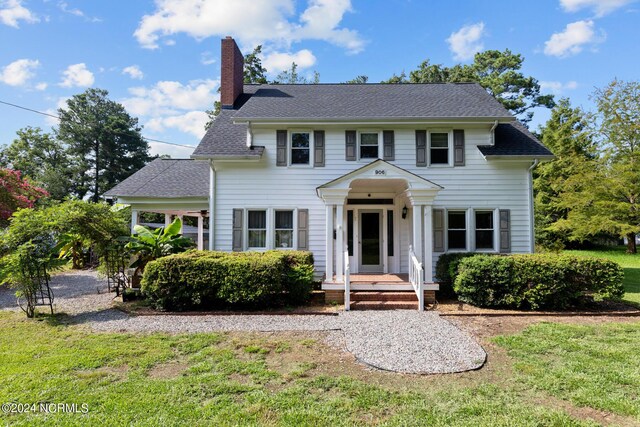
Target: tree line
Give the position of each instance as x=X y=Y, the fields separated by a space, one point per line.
x=96 y=145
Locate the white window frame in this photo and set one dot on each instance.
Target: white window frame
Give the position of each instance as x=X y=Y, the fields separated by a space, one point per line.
x=294 y=225
x=465 y=211
x=270 y=227
x=380 y=145
x=266 y=229
x=449 y=133
x=290 y=148
x=475 y=229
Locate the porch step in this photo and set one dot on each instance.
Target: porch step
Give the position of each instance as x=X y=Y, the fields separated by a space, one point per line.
x=384 y=305
x=384 y=296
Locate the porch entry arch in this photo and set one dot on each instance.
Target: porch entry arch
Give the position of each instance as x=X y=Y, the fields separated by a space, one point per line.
x=365 y=218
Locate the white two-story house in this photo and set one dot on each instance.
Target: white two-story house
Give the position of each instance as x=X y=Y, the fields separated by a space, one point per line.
x=377 y=180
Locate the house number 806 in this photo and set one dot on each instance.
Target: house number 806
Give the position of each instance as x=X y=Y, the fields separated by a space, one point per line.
x=381 y=172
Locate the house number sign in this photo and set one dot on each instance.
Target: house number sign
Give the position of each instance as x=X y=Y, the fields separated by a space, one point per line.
x=380 y=172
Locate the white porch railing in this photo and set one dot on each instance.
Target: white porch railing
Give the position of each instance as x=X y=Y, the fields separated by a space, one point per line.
x=416 y=277
x=347 y=281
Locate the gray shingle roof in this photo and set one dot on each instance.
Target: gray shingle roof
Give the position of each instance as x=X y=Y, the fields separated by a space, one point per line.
x=370 y=101
x=166 y=178
x=225 y=139
x=514 y=139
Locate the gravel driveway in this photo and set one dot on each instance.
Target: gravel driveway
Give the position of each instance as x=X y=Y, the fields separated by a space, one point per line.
x=400 y=340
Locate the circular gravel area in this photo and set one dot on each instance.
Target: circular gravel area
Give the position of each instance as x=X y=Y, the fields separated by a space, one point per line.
x=405 y=341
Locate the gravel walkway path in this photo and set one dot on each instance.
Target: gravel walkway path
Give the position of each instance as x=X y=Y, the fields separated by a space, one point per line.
x=401 y=340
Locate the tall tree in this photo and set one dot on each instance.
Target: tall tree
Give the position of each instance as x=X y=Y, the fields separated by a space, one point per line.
x=41 y=158
x=568 y=135
x=606 y=198
x=105 y=140
x=362 y=79
x=496 y=71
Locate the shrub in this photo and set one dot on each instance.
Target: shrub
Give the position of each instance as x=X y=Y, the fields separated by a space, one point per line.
x=203 y=280
x=447 y=270
x=536 y=281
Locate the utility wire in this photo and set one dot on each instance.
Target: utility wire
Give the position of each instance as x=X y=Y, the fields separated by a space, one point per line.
x=58 y=117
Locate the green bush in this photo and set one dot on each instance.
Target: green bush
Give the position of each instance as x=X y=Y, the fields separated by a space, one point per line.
x=447 y=269
x=203 y=279
x=542 y=281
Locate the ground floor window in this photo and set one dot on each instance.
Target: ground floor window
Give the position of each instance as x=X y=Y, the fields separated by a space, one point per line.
x=457 y=230
x=257 y=229
x=284 y=229
x=484 y=229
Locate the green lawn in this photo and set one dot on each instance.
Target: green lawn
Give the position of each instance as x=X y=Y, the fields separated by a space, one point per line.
x=592 y=366
x=630 y=263
x=271 y=379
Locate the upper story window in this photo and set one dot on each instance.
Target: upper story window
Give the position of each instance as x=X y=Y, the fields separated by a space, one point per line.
x=439 y=148
x=457 y=229
x=369 y=145
x=300 y=148
x=257 y=229
x=484 y=230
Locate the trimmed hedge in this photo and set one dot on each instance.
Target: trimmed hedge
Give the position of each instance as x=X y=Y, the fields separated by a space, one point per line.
x=204 y=279
x=447 y=270
x=540 y=281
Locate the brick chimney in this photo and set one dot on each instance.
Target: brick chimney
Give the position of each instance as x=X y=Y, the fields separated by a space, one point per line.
x=232 y=74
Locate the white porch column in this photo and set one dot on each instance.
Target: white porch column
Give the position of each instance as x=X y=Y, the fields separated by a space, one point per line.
x=417 y=230
x=167 y=219
x=428 y=244
x=212 y=206
x=134 y=219
x=339 y=241
x=329 y=244
x=200 y=233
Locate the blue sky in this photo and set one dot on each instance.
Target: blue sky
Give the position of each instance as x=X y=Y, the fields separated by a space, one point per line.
x=161 y=58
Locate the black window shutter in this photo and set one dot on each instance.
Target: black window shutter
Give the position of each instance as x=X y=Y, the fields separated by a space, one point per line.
x=388 y=145
x=281 y=148
x=458 y=147
x=505 y=230
x=438 y=230
x=237 y=245
x=318 y=148
x=421 y=148
x=350 y=145
x=303 y=229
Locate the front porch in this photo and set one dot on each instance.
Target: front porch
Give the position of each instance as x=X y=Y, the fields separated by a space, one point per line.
x=379 y=234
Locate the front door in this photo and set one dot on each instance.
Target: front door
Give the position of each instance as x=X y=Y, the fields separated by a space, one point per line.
x=371 y=241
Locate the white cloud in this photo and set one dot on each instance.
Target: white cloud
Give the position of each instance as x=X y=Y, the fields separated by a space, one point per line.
x=134 y=72
x=252 y=22
x=279 y=61
x=19 y=72
x=61 y=103
x=41 y=86
x=191 y=122
x=77 y=75
x=466 y=42
x=557 y=88
x=599 y=7
x=572 y=40
x=12 y=12
x=173 y=105
x=64 y=6
x=176 y=152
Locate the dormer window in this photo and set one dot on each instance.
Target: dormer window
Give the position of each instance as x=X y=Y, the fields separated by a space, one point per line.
x=369 y=145
x=300 y=148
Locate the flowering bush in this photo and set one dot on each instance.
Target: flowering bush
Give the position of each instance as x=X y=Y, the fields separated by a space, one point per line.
x=16 y=193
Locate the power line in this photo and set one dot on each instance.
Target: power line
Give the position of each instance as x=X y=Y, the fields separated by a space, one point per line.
x=58 y=117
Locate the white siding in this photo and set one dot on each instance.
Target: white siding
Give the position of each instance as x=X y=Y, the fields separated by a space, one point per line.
x=478 y=184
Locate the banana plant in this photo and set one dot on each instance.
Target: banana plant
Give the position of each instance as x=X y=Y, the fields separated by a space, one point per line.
x=71 y=246
x=147 y=245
